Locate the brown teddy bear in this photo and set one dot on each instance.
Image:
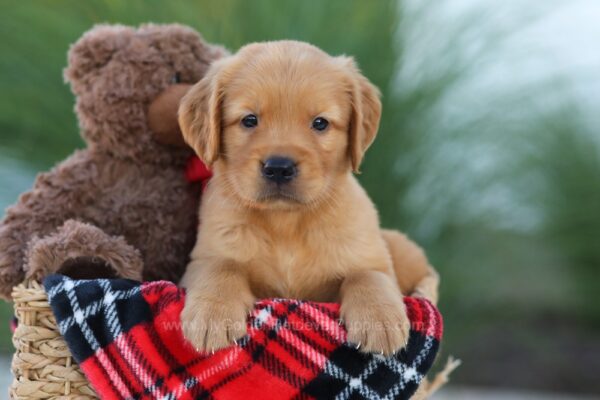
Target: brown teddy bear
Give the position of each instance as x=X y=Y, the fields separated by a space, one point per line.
x=122 y=206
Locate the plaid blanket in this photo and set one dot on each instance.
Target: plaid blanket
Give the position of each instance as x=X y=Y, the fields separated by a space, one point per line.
x=127 y=338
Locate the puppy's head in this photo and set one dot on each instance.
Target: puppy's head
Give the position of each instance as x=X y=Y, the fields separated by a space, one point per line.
x=280 y=122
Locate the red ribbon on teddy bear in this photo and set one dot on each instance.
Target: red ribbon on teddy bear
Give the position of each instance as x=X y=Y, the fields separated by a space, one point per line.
x=197 y=171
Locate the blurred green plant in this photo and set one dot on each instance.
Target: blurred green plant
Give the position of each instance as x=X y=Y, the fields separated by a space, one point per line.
x=34 y=110
x=564 y=163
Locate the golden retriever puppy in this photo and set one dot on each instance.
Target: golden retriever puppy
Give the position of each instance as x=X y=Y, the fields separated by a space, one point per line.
x=283 y=126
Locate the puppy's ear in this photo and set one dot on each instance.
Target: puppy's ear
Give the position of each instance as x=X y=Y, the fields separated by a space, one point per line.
x=366 y=112
x=200 y=116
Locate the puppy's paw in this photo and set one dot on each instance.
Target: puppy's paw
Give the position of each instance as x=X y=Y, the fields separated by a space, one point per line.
x=212 y=325
x=377 y=328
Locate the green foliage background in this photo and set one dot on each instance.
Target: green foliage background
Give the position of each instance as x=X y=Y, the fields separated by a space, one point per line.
x=501 y=187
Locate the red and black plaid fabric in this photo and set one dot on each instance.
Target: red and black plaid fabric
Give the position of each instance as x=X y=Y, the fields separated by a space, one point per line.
x=127 y=338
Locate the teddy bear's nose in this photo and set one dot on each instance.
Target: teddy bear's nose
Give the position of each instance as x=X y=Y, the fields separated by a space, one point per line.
x=162 y=115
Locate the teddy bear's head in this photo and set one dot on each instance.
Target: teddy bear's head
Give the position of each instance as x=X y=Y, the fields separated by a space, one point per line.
x=116 y=72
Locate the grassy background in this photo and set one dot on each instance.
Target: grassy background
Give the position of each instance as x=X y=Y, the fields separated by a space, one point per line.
x=494 y=170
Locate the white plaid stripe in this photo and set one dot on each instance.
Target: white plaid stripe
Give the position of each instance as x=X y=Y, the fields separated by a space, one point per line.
x=307 y=350
x=325 y=322
x=68 y=287
x=354 y=383
x=116 y=330
x=108 y=366
x=80 y=318
x=264 y=316
x=358 y=384
x=193 y=381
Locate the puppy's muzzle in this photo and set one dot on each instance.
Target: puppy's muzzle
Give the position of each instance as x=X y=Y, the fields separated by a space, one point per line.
x=279 y=169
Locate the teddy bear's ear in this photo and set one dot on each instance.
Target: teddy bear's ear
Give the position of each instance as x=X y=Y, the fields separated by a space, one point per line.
x=95 y=49
x=200 y=111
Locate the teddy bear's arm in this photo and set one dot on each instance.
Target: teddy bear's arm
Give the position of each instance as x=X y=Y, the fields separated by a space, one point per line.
x=77 y=249
x=82 y=251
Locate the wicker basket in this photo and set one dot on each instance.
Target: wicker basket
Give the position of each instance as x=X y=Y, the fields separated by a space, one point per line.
x=42 y=366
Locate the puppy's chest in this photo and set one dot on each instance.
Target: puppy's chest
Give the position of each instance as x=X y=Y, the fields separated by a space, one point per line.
x=297 y=269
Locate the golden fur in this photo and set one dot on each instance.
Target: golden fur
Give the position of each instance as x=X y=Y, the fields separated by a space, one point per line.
x=319 y=237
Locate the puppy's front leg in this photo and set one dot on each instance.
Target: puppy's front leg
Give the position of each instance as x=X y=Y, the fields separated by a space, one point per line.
x=217 y=303
x=374 y=312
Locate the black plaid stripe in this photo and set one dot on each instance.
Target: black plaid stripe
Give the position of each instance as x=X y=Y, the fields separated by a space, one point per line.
x=195 y=388
x=181 y=371
x=270 y=362
x=351 y=375
x=94 y=314
x=117 y=366
x=296 y=353
x=327 y=311
x=147 y=365
x=164 y=299
x=225 y=381
x=91 y=325
x=175 y=367
x=108 y=378
x=306 y=318
x=260 y=354
x=316 y=327
x=292 y=350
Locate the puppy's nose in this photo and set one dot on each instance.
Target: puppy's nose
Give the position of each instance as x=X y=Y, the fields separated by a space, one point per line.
x=279 y=169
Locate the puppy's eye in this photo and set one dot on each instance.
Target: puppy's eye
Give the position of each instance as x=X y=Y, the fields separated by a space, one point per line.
x=320 y=124
x=250 y=121
x=176 y=78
